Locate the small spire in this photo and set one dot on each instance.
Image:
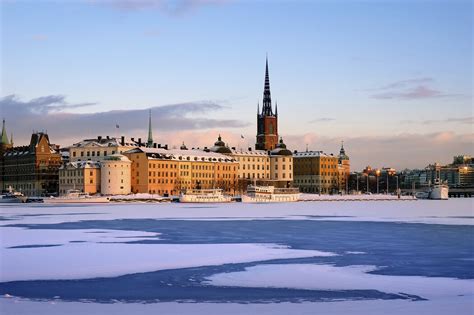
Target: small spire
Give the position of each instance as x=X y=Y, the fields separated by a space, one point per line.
x=219 y=138
x=276 y=108
x=258 y=107
x=149 y=143
x=306 y=147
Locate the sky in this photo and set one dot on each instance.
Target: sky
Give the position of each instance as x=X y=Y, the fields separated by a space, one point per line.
x=393 y=79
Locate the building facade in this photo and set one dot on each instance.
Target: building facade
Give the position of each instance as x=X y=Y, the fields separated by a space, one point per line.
x=316 y=172
x=343 y=170
x=82 y=175
x=99 y=148
x=168 y=172
x=115 y=175
x=32 y=169
x=5 y=145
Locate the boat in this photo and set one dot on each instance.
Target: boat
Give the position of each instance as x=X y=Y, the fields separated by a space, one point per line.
x=12 y=197
x=204 y=196
x=76 y=196
x=438 y=191
x=270 y=194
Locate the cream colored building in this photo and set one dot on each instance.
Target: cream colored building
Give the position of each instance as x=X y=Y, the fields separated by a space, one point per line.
x=115 y=175
x=83 y=176
x=281 y=165
x=99 y=148
x=262 y=167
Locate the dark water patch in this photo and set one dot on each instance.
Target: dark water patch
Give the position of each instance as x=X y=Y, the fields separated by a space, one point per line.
x=431 y=250
x=180 y=284
x=34 y=246
x=77 y=241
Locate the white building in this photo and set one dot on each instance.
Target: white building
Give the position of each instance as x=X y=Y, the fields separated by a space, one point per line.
x=116 y=175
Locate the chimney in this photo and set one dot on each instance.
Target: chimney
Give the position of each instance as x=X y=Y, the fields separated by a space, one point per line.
x=122 y=140
x=133 y=139
x=250 y=148
x=99 y=138
x=139 y=142
x=233 y=148
x=108 y=138
x=159 y=145
x=166 y=147
x=154 y=145
x=205 y=148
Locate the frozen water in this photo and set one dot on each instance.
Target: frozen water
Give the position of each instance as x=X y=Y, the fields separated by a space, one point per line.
x=376 y=257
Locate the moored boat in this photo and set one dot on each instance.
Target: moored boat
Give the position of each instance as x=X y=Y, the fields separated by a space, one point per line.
x=204 y=196
x=270 y=194
x=75 y=196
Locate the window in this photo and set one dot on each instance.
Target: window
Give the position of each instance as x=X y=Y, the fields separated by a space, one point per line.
x=74 y=154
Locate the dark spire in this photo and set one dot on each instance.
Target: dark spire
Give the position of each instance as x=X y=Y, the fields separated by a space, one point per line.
x=276 y=108
x=258 y=108
x=4 y=136
x=267 y=100
x=149 y=143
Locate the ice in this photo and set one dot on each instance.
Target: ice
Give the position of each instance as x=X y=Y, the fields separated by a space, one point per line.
x=12 y=237
x=328 y=277
x=456 y=211
x=460 y=306
x=91 y=260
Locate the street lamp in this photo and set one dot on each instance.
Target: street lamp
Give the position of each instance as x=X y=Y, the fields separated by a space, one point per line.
x=377 y=174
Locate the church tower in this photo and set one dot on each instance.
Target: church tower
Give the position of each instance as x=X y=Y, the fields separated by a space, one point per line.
x=267 y=120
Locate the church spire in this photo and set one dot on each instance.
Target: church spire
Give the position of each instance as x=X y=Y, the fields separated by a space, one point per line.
x=4 y=136
x=149 y=143
x=267 y=100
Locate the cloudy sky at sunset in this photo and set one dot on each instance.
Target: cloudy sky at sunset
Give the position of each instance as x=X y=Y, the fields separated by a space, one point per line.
x=393 y=79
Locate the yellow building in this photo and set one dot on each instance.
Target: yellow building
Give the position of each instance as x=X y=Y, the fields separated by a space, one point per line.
x=99 y=148
x=83 y=176
x=315 y=172
x=167 y=172
x=344 y=170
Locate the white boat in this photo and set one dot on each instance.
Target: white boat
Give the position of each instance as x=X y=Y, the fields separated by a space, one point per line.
x=12 y=197
x=270 y=194
x=439 y=191
x=75 y=196
x=204 y=195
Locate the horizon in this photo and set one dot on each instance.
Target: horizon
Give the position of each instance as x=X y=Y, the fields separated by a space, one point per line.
x=372 y=75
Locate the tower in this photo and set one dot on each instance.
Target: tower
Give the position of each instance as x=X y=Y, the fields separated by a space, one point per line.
x=149 y=142
x=267 y=120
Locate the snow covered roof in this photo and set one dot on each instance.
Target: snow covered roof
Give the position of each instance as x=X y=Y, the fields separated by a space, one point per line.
x=116 y=157
x=80 y=164
x=104 y=142
x=313 y=154
x=242 y=152
x=183 y=155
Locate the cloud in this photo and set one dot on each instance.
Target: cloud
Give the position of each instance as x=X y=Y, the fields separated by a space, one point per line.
x=410 y=89
x=458 y=120
x=172 y=7
x=322 y=119
x=50 y=113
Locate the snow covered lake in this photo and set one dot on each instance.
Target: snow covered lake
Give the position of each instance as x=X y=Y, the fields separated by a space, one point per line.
x=375 y=257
